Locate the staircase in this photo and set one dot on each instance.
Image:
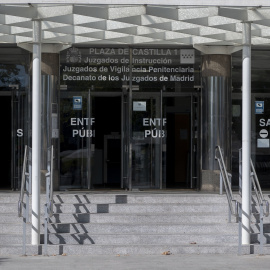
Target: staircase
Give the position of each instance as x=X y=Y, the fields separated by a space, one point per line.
x=130 y=223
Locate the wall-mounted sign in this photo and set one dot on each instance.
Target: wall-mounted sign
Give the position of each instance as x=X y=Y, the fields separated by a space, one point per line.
x=139 y=106
x=148 y=65
x=263 y=133
x=262 y=143
x=259 y=107
x=77 y=103
x=187 y=56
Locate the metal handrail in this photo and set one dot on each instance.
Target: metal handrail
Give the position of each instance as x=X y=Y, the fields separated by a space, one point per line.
x=49 y=198
x=25 y=187
x=260 y=199
x=258 y=191
x=226 y=182
x=49 y=175
x=20 y=202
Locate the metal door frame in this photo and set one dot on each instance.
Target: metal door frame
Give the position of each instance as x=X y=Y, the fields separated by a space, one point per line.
x=194 y=147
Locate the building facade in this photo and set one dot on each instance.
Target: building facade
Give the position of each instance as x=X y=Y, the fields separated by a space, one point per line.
x=133 y=96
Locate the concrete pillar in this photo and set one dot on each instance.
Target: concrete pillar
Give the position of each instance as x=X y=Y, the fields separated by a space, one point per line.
x=246 y=133
x=36 y=131
x=216 y=116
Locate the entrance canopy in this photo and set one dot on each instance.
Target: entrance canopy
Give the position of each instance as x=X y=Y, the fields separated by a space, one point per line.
x=143 y=22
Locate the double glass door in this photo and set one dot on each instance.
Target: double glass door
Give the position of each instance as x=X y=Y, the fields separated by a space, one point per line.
x=110 y=140
x=164 y=140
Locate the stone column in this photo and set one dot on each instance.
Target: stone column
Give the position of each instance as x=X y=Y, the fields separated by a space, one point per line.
x=216 y=116
x=216 y=111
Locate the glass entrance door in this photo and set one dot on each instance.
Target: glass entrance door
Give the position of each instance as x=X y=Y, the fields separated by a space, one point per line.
x=148 y=134
x=5 y=136
x=164 y=140
x=95 y=150
x=91 y=140
x=20 y=136
x=179 y=157
x=260 y=139
x=260 y=142
x=15 y=135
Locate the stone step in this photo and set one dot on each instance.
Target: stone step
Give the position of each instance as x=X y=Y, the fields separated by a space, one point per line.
x=120 y=208
x=139 y=239
x=131 y=223
x=123 y=239
x=10 y=218
x=138 y=208
x=255 y=218
x=128 y=197
x=255 y=238
x=139 y=199
x=255 y=228
x=107 y=228
x=135 y=217
x=128 y=208
x=13 y=228
x=14 y=238
x=154 y=228
x=180 y=218
x=9 y=208
x=130 y=249
x=140 y=218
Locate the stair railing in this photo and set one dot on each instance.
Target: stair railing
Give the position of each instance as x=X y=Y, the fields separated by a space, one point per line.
x=258 y=191
x=26 y=188
x=49 y=197
x=227 y=183
x=262 y=203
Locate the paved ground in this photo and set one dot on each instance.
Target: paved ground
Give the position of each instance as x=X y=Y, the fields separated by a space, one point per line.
x=138 y=262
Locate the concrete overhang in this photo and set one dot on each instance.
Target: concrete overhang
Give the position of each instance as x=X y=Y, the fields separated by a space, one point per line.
x=109 y=22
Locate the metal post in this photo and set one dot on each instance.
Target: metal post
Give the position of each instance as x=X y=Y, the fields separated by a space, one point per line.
x=36 y=132
x=240 y=172
x=240 y=230
x=46 y=209
x=24 y=229
x=230 y=212
x=161 y=139
x=130 y=122
x=220 y=184
x=89 y=140
x=261 y=229
x=246 y=131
